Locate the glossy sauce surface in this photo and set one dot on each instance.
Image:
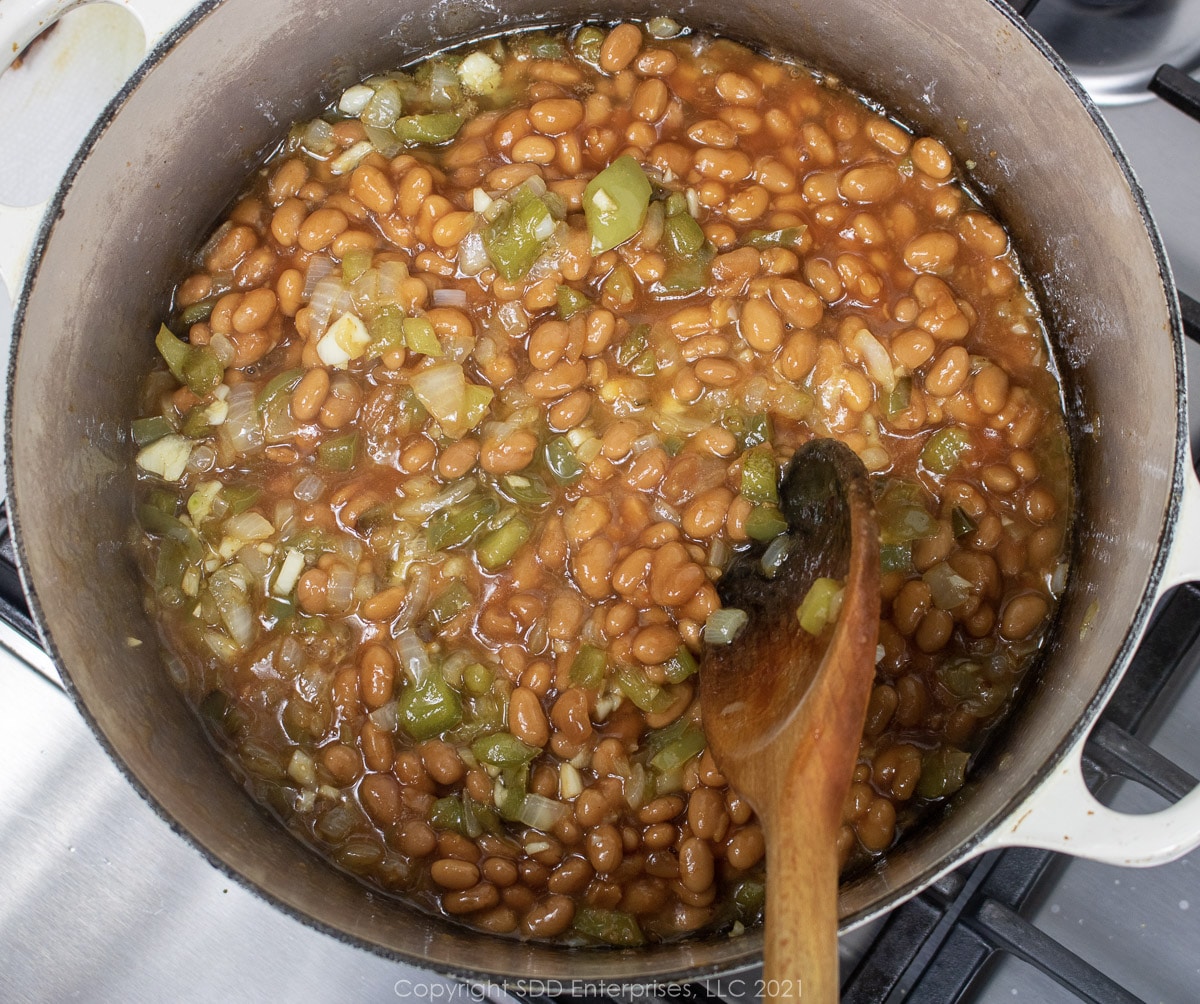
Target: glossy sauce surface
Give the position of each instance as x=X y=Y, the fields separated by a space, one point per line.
x=479 y=387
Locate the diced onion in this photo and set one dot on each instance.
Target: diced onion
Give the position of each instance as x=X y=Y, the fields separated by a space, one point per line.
x=289 y=573
x=413 y=657
x=947 y=588
x=415 y=600
x=203 y=459
x=167 y=457
x=249 y=526
x=636 y=786
x=544 y=228
x=354 y=99
x=234 y=607
x=223 y=348
x=646 y=442
x=481 y=202
x=472 y=256
x=319 y=266
x=536 y=185
x=349 y=159
x=242 y=427
x=449 y=297
x=210 y=245
x=346 y=339
x=774 y=554
x=318 y=138
x=663 y=27
x=223 y=647
x=540 y=812
x=442 y=82
x=302 y=770
x=724 y=625
x=1058 y=580
x=665 y=511
x=291 y=656
x=309 y=488
x=321 y=303
x=441 y=389
x=879 y=363
x=391 y=274
x=512 y=317
x=480 y=73
x=339 y=590
x=386 y=718
x=570 y=782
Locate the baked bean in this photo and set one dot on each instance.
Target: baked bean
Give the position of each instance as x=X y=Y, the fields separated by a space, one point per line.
x=722 y=165
x=620 y=47
x=442 y=762
x=933 y=632
x=877 y=828
x=229 y=250
x=991 y=389
x=384 y=605
x=483 y=896
x=929 y=156
x=1043 y=545
x=949 y=372
x=983 y=234
x=869 y=183
x=513 y=452
x=555 y=116
x=605 y=849
x=1039 y=505
x=745 y=847
x=934 y=251
x=380 y=794
x=320 y=228
x=343 y=762
x=706 y=813
x=695 y=864
x=451 y=873
x=310 y=394
x=458 y=458
x=880 y=709
x=526 y=720
x=372 y=188
x=650 y=100
x=549 y=917
x=910 y=605
x=1022 y=615
x=738 y=89
x=655 y=644
x=417 y=838
x=377 y=673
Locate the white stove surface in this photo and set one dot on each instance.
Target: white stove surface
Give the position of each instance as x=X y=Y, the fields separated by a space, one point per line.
x=101 y=901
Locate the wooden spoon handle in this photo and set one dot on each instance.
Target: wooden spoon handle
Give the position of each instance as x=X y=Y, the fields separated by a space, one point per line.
x=800 y=957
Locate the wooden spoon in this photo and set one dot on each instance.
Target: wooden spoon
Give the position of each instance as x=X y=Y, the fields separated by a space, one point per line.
x=783 y=709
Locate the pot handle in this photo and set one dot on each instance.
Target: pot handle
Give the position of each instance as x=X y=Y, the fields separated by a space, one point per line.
x=1183 y=561
x=1062 y=814
x=21 y=21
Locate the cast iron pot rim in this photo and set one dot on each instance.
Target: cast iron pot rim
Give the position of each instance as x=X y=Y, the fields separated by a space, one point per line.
x=1082 y=725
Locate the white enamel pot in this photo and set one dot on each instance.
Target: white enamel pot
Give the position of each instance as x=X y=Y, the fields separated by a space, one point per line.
x=91 y=274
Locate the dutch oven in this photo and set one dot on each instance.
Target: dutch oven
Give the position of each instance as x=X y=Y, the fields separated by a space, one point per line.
x=220 y=84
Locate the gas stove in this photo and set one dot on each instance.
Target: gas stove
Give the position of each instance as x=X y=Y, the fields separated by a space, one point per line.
x=100 y=900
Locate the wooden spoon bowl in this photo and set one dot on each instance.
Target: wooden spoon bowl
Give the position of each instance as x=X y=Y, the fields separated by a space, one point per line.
x=783 y=709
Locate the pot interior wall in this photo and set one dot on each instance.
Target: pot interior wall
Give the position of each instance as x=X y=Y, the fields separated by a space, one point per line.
x=190 y=131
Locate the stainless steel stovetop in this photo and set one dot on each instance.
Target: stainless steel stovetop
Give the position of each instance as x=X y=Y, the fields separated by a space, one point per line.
x=100 y=900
